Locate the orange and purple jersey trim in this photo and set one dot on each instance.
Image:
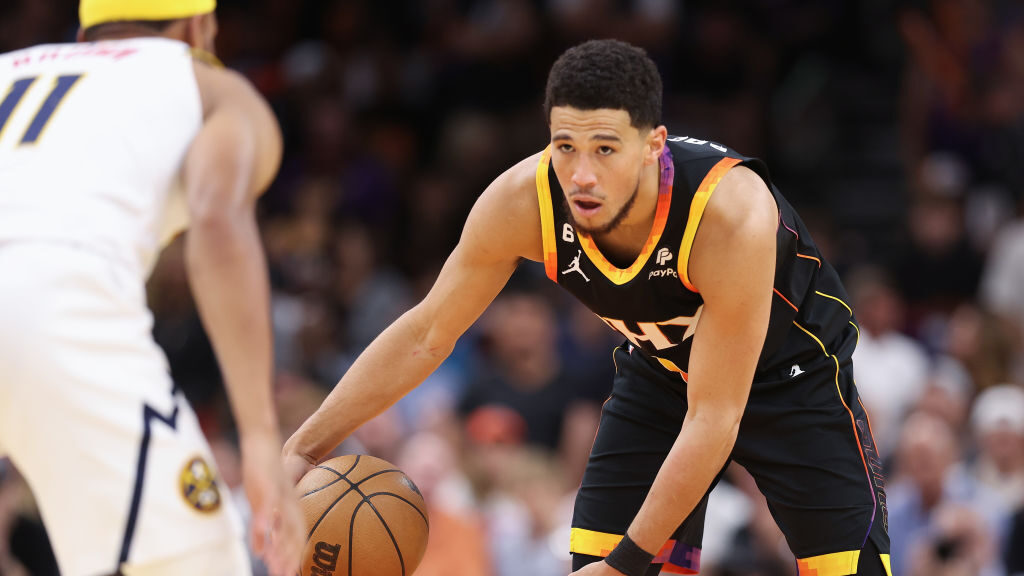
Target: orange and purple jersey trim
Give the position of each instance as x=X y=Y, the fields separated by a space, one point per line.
x=700 y=201
x=620 y=276
x=547 y=217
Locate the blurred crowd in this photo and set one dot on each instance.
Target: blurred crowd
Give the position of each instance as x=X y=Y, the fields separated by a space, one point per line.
x=896 y=127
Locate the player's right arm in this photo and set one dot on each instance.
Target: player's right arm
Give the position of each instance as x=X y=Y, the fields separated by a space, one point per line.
x=231 y=161
x=502 y=228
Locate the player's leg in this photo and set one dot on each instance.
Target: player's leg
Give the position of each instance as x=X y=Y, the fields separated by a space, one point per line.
x=114 y=457
x=807 y=442
x=639 y=424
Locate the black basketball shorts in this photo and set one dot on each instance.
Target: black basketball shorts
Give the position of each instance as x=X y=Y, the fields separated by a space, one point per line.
x=804 y=437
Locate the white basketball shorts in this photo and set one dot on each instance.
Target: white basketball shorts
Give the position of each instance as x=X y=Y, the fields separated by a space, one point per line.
x=88 y=413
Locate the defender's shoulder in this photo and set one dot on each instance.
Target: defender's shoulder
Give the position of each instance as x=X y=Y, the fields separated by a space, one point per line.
x=223 y=87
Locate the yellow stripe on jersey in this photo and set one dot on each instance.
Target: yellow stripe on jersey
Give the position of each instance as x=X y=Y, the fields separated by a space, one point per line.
x=670 y=365
x=700 y=201
x=547 y=217
x=808 y=332
x=831 y=297
x=93 y=12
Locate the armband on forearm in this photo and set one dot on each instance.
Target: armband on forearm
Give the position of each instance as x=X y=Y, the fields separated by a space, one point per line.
x=629 y=558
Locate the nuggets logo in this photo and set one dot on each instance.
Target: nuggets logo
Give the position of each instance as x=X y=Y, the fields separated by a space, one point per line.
x=199 y=486
x=325 y=559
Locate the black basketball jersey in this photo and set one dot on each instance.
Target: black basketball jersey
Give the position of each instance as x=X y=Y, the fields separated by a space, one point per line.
x=652 y=302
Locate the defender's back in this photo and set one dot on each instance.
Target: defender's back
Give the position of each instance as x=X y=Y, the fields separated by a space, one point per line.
x=92 y=138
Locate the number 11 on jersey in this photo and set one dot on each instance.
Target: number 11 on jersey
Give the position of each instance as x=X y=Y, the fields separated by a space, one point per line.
x=17 y=91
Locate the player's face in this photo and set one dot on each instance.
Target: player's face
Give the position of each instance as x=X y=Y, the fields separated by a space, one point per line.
x=598 y=157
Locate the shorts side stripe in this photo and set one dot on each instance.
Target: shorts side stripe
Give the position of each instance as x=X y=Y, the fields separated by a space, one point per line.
x=868 y=418
x=856 y=435
x=863 y=459
x=148 y=416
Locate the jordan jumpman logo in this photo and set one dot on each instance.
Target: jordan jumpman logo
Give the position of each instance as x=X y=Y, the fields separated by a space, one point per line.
x=575 y=266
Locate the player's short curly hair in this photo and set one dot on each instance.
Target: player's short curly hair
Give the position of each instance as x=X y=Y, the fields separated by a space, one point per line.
x=606 y=74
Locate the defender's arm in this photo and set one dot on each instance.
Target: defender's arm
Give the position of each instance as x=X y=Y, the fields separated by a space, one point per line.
x=230 y=163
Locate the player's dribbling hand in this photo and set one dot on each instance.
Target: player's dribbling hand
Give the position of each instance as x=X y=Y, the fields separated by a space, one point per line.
x=295 y=466
x=276 y=532
x=597 y=569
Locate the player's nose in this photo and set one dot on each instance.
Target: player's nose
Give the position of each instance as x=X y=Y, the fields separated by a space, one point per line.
x=583 y=176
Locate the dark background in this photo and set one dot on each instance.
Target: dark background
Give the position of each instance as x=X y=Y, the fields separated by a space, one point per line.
x=895 y=128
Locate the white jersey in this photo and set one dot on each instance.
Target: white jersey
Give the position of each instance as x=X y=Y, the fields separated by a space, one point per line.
x=92 y=139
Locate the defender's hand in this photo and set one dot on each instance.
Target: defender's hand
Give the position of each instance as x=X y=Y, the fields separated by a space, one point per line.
x=276 y=526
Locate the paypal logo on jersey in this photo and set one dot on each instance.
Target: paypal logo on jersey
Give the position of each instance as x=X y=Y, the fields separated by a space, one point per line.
x=663 y=273
x=662 y=258
x=664 y=255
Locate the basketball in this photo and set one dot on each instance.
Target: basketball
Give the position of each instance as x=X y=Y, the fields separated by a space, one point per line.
x=364 y=517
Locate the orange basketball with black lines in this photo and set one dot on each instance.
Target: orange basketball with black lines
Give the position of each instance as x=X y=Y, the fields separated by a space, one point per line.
x=364 y=517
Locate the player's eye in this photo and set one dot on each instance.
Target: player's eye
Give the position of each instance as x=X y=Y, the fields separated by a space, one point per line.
x=566 y=148
x=605 y=150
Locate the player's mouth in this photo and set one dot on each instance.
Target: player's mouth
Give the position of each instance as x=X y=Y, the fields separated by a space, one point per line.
x=587 y=207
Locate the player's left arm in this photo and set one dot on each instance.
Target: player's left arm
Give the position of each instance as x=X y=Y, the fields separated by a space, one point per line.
x=732 y=264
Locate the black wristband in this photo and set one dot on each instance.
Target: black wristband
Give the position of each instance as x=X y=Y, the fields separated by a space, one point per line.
x=629 y=558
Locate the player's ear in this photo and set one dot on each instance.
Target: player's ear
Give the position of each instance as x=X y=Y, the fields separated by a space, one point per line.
x=655 y=144
x=200 y=31
x=210 y=29
x=193 y=32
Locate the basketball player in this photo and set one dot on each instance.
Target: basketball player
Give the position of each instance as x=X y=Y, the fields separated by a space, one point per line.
x=107 y=148
x=738 y=336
